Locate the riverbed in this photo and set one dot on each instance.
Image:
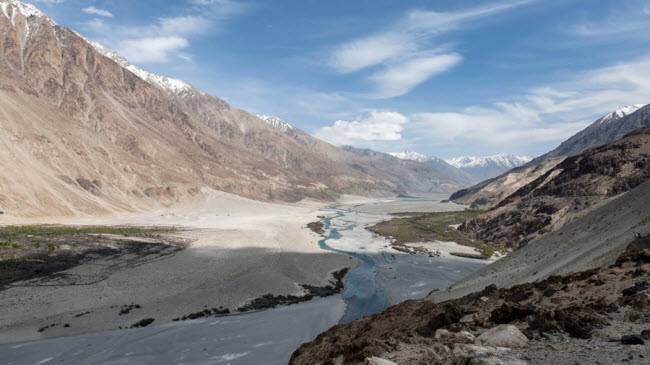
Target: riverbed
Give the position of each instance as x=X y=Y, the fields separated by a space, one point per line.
x=381 y=277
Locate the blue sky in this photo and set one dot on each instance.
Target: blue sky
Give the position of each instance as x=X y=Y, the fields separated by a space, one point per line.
x=447 y=78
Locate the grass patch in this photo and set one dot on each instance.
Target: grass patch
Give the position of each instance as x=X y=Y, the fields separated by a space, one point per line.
x=9 y=232
x=423 y=227
x=33 y=237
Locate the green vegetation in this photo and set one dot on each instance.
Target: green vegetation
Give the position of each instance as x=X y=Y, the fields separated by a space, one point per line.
x=10 y=232
x=32 y=237
x=422 y=227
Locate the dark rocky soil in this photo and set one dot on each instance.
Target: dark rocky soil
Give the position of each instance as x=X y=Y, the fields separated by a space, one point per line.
x=574 y=319
x=316 y=227
x=271 y=301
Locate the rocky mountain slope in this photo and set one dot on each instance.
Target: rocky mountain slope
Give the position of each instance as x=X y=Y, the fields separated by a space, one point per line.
x=607 y=129
x=82 y=131
x=488 y=193
x=278 y=123
x=482 y=168
x=579 y=295
x=574 y=186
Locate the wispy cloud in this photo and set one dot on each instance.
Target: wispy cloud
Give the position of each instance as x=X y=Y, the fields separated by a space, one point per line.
x=402 y=78
x=408 y=43
x=152 y=50
x=166 y=38
x=545 y=114
x=626 y=20
x=95 y=11
x=376 y=126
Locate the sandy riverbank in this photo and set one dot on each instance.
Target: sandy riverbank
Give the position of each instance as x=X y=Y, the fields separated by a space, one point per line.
x=240 y=249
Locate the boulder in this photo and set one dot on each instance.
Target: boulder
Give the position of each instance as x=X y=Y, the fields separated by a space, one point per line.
x=378 y=361
x=505 y=335
x=632 y=340
x=457 y=337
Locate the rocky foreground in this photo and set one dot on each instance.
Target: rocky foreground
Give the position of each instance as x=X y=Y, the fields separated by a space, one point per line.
x=595 y=316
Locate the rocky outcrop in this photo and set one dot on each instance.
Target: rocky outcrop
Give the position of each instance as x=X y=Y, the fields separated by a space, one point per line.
x=568 y=190
x=497 y=326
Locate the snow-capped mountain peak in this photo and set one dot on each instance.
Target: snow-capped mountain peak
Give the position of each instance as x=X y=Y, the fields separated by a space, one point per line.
x=276 y=122
x=501 y=160
x=620 y=113
x=410 y=155
x=9 y=8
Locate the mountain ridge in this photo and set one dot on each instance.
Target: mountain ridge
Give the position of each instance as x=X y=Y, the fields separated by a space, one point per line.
x=94 y=137
x=606 y=129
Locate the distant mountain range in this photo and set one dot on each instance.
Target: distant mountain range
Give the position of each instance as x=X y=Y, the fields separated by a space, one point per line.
x=471 y=168
x=487 y=167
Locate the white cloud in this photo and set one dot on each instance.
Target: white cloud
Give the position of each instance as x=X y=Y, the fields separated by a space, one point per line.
x=546 y=114
x=167 y=38
x=152 y=50
x=404 y=49
x=402 y=78
x=95 y=11
x=411 y=33
x=626 y=20
x=377 y=126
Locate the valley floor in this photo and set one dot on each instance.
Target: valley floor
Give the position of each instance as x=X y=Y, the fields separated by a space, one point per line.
x=239 y=250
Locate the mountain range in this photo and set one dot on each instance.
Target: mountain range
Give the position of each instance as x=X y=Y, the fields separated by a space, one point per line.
x=83 y=131
x=470 y=169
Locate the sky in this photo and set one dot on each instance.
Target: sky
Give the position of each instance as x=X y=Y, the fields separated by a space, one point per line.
x=445 y=78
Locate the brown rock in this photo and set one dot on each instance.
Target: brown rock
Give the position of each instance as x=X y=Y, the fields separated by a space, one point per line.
x=504 y=335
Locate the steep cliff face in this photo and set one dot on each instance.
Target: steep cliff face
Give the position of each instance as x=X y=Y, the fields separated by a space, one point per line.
x=82 y=133
x=571 y=188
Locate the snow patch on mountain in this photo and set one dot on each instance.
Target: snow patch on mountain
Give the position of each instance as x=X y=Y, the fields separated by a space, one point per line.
x=619 y=113
x=167 y=84
x=410 y=155
x=415 y=156
x=27 y=10
x=501 y=160
x=276 y=122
